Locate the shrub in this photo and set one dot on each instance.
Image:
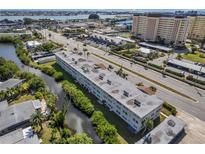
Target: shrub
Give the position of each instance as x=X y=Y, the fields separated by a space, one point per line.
x=106 y=131
x=170 y=108
x=58 y=76
x=78 y=98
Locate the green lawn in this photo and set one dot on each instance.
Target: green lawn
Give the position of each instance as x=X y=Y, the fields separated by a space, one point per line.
x=125 y=35
x=195 y=57
x=23 y=98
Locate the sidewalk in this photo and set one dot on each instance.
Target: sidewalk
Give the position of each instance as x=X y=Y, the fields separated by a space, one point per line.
x=195 y=129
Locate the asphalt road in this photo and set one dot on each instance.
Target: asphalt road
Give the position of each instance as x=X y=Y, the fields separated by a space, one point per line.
x=195 y=108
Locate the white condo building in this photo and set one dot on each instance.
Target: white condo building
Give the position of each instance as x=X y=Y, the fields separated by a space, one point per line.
x=156 y=27
x=118 y=94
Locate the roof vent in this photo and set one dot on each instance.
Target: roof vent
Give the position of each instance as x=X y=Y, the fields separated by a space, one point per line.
x=101 y=76
x=125 y=93
x=170 y=132
x=109 y=82
x=171 y=123
x=137 y=103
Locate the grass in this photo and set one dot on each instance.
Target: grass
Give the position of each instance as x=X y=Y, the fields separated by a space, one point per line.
x=195 y=57
x=165 y=111
x=23 y=98
x=125 y=35
x=46 y=133
x=162 y=118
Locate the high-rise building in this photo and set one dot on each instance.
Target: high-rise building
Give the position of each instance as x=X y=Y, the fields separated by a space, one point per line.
x=161 y=28
x=197 y=28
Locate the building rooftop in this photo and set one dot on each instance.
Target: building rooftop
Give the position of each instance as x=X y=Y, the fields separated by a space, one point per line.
x=165 y=132
x=145 y=50
x=122 y=90
x=15 y=114
x=188 y=65
x=9 y=84
x=155 y=46
x=20 y=136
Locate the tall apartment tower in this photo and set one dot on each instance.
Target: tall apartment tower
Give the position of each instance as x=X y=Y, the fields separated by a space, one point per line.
x=165 y=29
x=197 y=28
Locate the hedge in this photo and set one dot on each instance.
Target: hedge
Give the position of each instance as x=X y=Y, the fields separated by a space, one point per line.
x=106 y=131
x=78 y=98
x=170 y=108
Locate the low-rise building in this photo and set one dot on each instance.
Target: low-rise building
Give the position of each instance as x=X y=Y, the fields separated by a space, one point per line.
x=20 y=136
x=144 y=52
x=118 y=94
x=168 y=132
x=17 y=115
x=32 y=44
x=186 y=66
x=10 y=83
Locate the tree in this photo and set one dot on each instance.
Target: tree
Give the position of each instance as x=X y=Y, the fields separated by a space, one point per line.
x=79 y=139
x=148 y=124
x=94 y=17
x=37 y=120
x=179 y=57
x=7 y=69
x=36 y=83
x=194 y=49
x=58 y=118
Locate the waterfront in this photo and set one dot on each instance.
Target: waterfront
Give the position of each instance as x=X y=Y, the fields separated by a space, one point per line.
x=63 y=18
x=74 y=118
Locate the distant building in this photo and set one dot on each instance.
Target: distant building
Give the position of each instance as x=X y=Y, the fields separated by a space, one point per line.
x=10 y=83
x=17 y=115
x=144 y=52
x=118 y=94
x=197 y=29
x=20 y=136
x=32 y=44
x=168 y=132
x=161 y=28
x=186 y=66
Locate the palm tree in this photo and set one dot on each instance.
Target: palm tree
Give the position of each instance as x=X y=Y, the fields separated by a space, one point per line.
x=37 y=120
x=148 y=124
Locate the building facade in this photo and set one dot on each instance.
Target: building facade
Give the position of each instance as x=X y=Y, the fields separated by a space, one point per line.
x=197 y=28
x=118 y=94
x=163 y=29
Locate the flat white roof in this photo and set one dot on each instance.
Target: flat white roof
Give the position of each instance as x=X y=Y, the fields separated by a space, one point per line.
x=165 y=132
x=117 y=87
x=156 y=46
x=187 y=65
x=145 y=50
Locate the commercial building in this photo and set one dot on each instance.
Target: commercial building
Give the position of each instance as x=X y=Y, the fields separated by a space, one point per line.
x=118 y=94
x=197 y=28
x=144 y=52
x=186 y=66
x=161 y=28
x=17 y=116
x=20 y=136
x=169 y=131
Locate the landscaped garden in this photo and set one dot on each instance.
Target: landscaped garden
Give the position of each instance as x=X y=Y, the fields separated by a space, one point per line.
x=197 y=56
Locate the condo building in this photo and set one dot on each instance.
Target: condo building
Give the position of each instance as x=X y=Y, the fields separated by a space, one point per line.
x=118 y=94
x=161 y=28
x=197 y=28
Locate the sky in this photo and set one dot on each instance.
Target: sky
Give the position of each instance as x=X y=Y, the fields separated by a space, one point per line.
x=102 y=4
